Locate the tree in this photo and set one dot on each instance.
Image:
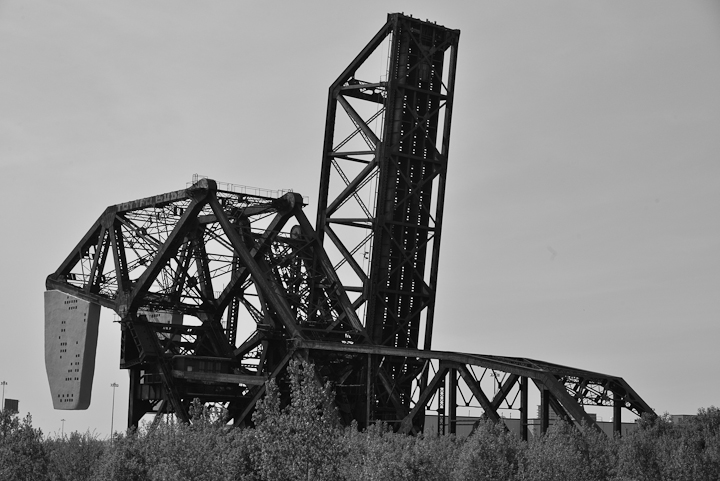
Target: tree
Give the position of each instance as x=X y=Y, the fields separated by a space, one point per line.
x=22 y=451
x=569 y=452
x=75 y=457
x=303 y=439
x=378 y=454
x=490 y=453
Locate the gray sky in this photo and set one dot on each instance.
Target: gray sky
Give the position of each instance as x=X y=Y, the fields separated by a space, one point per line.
x=582 y=218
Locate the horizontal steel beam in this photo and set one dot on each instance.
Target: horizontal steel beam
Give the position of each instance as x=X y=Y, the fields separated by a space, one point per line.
x=219 y=377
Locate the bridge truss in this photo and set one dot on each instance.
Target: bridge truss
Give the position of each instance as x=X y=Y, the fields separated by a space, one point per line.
x=218 y=288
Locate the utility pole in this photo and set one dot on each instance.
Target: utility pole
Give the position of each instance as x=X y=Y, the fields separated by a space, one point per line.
x=62 y=432
x=2 y=406
x=112 y=415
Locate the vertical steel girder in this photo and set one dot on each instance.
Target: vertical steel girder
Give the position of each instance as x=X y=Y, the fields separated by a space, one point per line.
x=524 y=408
x=544 y=409
x=399 y=134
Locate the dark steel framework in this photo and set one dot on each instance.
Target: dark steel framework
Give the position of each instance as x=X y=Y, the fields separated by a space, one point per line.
x=396 y=156
x=216 y=257
x=355 y=297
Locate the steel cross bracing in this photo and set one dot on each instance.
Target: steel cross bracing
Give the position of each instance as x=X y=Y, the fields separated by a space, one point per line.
x=380 y=212
x=382 y=188
x=217 y=290
x=465 y=377
x=199 y=251
x=192 y=255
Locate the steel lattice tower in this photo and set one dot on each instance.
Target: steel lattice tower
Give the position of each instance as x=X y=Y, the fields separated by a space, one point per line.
x=402 y=147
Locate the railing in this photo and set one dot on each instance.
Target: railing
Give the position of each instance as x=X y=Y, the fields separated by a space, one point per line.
x=245 y=189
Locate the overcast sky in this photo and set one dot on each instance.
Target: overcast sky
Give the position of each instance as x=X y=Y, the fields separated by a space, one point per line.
x=582 y=220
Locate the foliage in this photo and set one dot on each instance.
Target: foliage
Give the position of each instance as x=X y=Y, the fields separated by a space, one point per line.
x=660 y=449
x=203 y=450
x=73 y=458
x=124 y=460
x=565 y=452
x=22 y=451
x=490 y=453
x=301 y=441
x=379 y=454
x=304 y=440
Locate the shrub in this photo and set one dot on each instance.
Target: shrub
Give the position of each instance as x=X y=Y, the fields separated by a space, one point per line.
x=490 y=453
x=661 y=449
x=304 y=440
x=22 y=450
x=566 y=452
x=379 y=454
x=124 y=460
x=642 y=452
x=75 y=457
x=206 y=449
x=301 y=441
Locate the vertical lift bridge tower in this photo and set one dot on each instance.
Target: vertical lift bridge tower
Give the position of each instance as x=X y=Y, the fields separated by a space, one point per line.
x=218 y=287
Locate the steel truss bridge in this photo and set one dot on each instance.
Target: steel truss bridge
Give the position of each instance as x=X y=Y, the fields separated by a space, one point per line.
x=218 y=288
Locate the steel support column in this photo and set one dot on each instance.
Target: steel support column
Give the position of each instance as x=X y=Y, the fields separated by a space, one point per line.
x=452 y=400
x=524 y=408
x=544 y=410
x=617 y=413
